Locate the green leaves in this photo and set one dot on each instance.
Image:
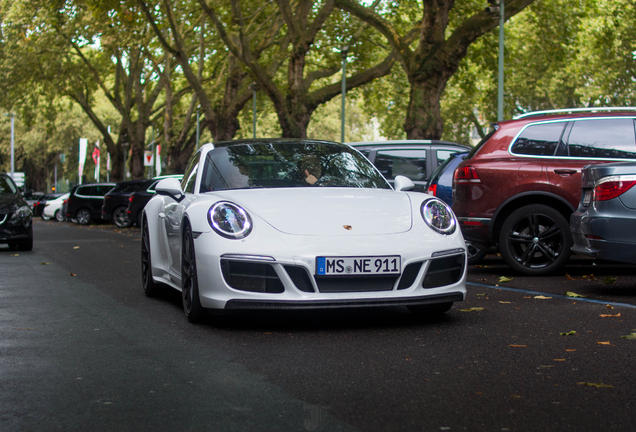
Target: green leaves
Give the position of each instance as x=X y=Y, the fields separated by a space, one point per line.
x=609 y=280
x=573 y=294
x=503 y=279
x=570 y=333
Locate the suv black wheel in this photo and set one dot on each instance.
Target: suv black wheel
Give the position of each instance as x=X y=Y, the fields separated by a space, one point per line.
x=120 y=217
x=535 y=240
x=83 y=217
x=475 y=254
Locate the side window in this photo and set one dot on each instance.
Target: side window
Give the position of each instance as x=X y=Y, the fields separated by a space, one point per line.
x=442 y=155
x=100 y=191
x=84 y=191
x=539 y=139
x=603 y=138
x=409 y=163
x=190 y=176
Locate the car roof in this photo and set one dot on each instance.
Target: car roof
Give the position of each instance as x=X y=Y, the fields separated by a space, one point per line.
x=272 y=141
x=407 y=142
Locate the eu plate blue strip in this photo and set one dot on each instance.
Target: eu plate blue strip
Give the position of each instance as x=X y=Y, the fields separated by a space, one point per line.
x=627 y=305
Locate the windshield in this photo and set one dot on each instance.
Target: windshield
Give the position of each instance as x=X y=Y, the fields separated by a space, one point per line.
x=6 y=185
x=288 y=164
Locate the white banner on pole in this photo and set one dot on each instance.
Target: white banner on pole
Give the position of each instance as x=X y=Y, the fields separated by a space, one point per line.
x=83 y=145
x=158 y=159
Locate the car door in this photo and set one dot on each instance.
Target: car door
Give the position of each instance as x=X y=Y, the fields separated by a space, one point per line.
x=585 y=142
x=97 y=199
x=172 y=214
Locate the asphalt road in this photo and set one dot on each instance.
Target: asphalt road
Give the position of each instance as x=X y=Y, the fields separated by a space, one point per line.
x=82 y=348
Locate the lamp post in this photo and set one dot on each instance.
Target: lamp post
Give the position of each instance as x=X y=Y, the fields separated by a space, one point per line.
x=500 y=83
x=343 y=53
x=198 y=106
x=254 y=109
x=151 y=171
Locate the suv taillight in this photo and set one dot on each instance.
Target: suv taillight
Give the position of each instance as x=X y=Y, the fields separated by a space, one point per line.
x=466 y=174
x=130 y=198
x=612 y=187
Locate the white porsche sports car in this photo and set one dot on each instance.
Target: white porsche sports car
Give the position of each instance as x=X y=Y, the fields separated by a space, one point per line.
x=291 y=224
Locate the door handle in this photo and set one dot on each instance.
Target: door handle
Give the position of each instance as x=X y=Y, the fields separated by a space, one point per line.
x=565 y=172
x=162 y=215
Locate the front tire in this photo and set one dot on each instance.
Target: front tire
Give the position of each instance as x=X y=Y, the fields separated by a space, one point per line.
x=83 y=217
x=120 y=217
x=535 y=240
x=148 y=283
x=59 y=216
x=189 y=281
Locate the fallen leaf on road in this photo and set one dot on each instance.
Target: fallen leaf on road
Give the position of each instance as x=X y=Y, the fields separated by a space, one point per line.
x=73 y=274
x=609 y=315
x=504 y=279
x=630 y=336
x=546 y=366
x=570 y=350
x=571 y=333
x=609 y=280
x=518 y=346
x=481 y=294
x=569 y=277
x=474 y=309
x=597 y=385
x=558 y=359
x=609 y=306
x=542 y=297
x=15 y=254
x=504 y=302
x=573 y=294
x=590 y=277
x=603 y=343
x=75 y=247
x=46 y=263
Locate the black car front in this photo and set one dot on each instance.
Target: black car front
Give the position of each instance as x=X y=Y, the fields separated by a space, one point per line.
x=16 y=216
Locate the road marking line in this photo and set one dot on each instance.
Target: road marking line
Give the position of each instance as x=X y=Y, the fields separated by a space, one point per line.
x=627 y=305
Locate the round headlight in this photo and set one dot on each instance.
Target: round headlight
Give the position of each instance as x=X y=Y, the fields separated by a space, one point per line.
x=229 y=220
x=438 y=216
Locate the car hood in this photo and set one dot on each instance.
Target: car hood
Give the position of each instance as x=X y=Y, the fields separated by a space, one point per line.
x=8 y=202
x=328 y=211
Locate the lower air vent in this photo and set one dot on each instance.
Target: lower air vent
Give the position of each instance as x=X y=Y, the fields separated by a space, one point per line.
x=247 y=276
x=300 y=278
x=444 y=271
x=409 y=274
x=354 y=284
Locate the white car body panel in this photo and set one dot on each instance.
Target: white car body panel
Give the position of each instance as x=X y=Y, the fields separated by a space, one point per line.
x=293 y=226
x=53 y=205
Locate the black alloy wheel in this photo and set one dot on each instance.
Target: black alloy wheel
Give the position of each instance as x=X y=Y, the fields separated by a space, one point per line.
x=83 y=216
x=45 y=217
x=189 y=280
x=535 y=240
x=148 y=284
x=120 y=217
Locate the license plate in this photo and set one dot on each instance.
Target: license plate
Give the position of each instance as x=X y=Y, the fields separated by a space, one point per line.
x=587 y=197
x=356 y=266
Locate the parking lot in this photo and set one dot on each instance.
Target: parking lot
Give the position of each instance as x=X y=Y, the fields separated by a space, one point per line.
x=85 y=349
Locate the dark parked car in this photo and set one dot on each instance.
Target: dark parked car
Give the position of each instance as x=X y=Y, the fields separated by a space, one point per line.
x=138 y=200
x=415 y=159
x=116 y=201
x=16 y=217
x=519 y=186
x=603 y=225
x=41 y=203
x=85 y=202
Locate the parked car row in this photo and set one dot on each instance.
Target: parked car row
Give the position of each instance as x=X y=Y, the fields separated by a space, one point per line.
x=16 y=216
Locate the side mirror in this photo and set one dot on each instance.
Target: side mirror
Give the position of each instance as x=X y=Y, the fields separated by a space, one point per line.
x=170 y=187
x=402 y=183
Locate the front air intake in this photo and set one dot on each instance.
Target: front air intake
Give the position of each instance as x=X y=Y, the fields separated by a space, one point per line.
x=444 y=271
x=253 y=277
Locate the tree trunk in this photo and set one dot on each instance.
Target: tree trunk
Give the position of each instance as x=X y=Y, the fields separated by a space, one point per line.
x=424 y=115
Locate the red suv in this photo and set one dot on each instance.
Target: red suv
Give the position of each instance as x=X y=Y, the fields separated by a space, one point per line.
x=517 y=188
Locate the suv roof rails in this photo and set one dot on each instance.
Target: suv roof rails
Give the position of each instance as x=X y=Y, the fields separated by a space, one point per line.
x=573 y=110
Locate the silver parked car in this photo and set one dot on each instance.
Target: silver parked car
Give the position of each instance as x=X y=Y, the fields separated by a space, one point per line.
x=603 y=225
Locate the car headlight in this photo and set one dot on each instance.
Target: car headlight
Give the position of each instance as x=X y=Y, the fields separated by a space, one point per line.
x=229 y=220
x=22 y=216
x=438 y=216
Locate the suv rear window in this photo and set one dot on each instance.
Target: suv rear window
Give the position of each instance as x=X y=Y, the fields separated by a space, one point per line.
x=603 y=138
x=539 y=139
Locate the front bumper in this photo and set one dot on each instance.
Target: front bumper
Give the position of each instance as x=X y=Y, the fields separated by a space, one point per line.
x=433 y=273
